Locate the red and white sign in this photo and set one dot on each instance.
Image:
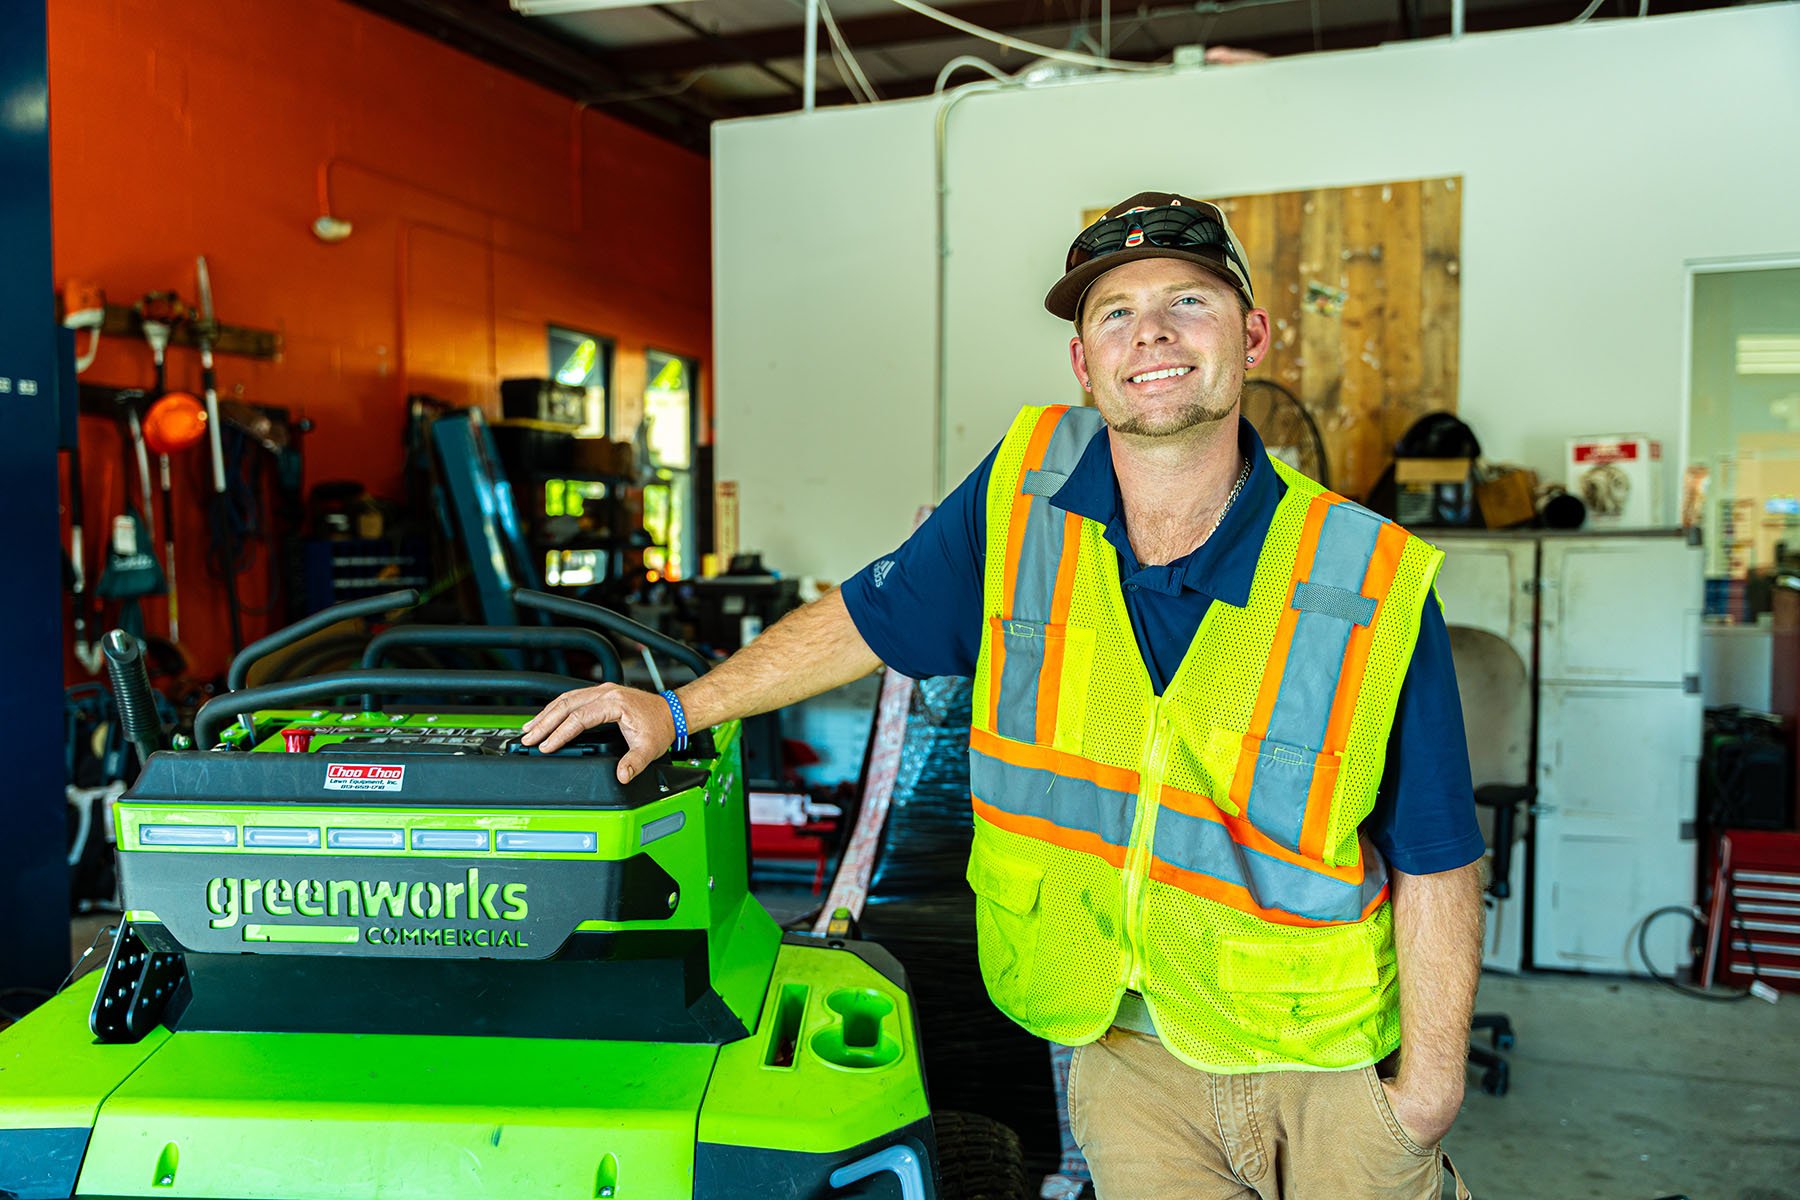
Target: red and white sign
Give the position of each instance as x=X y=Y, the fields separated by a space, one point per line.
x=363 y=777
x=1619 y=478
x=1605 y=452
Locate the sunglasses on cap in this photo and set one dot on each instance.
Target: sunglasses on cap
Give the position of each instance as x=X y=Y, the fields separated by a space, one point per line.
x=1198 y=229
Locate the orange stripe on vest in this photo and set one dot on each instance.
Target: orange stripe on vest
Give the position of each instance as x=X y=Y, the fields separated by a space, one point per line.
x=1238 y=898
x=1048 y=831
x=1057 y=762
x=1191 y=804
x=1035 y=450
x=1278 y=652
x=1050 y=691
x=1384 y=564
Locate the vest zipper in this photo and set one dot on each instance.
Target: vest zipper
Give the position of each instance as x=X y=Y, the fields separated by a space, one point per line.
x=1143 y=828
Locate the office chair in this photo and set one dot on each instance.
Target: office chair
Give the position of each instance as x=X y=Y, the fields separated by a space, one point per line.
x=1504 y=799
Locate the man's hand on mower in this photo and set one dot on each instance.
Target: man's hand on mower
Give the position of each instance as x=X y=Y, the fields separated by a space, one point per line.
x=642 y=717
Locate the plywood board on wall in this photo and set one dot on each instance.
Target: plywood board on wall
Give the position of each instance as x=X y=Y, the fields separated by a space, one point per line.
x=1362 y=287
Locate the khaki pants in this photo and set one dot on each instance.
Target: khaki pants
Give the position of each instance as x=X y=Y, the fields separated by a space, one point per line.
x=1154 y=1128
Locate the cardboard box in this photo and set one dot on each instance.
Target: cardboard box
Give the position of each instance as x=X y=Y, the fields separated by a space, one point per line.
x=1619 y=478
x=1508 y=499
x=1434 y=491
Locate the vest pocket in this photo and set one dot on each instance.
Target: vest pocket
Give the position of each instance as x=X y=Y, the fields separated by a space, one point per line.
x=1006 y=919
x=1040 y=686
x=1298 y=965
x=1277 y=785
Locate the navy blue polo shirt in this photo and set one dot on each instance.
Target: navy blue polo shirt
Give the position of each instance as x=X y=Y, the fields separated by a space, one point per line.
x=920 y=611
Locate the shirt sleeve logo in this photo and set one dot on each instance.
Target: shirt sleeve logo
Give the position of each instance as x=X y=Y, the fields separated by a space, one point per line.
x=880 y=573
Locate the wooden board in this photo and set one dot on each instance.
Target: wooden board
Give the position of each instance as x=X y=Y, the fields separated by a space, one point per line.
x=1362 y=287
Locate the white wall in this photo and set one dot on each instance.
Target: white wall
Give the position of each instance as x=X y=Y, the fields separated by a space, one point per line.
x=1597 y=161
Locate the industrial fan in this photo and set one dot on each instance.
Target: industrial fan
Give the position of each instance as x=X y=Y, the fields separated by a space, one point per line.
x=1286 y=428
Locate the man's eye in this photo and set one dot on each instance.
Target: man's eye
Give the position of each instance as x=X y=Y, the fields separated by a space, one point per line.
x=1189 y=300
x=1117 y=312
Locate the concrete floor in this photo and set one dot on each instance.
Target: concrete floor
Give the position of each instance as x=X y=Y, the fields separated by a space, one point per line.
x=1626 y=1090
x=1621 y=1090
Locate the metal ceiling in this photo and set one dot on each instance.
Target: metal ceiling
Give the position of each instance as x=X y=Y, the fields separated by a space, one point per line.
x=675 y=68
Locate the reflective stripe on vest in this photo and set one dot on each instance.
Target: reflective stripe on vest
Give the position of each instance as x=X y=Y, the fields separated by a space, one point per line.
x=1059 y=798
x=1028 y=665
x=1344 y=567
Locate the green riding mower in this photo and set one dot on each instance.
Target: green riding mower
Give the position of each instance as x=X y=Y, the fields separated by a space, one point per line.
x=376 y=949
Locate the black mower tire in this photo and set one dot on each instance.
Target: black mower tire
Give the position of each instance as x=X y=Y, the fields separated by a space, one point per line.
x=978 y=1158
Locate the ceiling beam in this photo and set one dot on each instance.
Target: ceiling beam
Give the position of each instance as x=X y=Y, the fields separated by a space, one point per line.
x=1014 y=16
x=497 y=36
x=900 y=27
x=727 y=46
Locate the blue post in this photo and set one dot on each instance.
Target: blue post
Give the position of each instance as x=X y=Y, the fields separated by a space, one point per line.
x=34 y=874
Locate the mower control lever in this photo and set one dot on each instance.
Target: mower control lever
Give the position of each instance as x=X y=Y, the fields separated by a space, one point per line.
x=281 y=639
x=612 y=622
x=505 y=637
x=131 y=687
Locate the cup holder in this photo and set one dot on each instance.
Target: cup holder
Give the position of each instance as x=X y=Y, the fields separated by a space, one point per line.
x=863 y=1036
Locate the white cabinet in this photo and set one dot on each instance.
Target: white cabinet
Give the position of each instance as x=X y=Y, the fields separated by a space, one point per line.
x=1612 y=623
x=1616 y=781
x=1622 y=610
x=1619 y=726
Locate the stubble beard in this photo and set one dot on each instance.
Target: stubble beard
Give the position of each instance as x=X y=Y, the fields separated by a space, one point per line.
x=1217 y=404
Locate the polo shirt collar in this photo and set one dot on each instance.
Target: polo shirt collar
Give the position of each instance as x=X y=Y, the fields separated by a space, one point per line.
x=1224 y=567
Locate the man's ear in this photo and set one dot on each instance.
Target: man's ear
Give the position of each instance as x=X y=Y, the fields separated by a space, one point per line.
x=1078 y=363
x=1257 y=335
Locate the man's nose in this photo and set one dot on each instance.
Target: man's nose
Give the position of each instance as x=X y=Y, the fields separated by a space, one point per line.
x=1154 y=326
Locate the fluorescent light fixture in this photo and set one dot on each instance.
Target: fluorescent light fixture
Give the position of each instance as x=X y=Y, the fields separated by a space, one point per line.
x=554 y=8
x=1768 y=354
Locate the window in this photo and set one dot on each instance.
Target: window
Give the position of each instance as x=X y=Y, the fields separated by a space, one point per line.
x=669 y=499
x=583 y=360
x=1742 y=479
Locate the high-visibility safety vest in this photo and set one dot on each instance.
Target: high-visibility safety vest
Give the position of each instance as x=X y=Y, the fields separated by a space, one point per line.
x=1200 y=848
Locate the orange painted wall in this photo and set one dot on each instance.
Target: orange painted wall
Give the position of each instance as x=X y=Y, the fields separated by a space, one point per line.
x=483 y=207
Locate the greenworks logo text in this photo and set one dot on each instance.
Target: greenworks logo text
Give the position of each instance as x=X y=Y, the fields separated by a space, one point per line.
x=230 y=899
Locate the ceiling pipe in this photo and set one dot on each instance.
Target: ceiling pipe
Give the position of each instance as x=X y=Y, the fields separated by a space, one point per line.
x=810 y=87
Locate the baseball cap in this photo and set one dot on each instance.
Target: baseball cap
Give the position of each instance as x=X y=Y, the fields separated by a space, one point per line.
x=1151 y=225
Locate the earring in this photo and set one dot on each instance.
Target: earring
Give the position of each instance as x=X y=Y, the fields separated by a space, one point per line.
x=1250 y=360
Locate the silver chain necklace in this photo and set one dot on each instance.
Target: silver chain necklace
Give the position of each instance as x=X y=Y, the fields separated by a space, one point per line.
x=1226 y=507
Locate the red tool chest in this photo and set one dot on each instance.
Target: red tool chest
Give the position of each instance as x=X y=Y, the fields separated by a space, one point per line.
x=1757 y=916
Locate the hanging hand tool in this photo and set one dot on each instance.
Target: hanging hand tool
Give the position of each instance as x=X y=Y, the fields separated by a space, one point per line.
x=87 y=653
x=206 y=331
x=158 y=314
x=131 y=571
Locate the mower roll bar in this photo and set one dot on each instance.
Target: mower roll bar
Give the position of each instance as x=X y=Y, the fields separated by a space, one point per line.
x=281 y=639
x=612 y=622
x=503 y=637
x=221 y=710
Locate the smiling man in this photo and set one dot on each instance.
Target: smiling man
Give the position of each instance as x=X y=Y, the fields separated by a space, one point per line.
x=1224 y=835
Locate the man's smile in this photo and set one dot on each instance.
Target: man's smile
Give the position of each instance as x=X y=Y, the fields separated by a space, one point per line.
x=1157 y=373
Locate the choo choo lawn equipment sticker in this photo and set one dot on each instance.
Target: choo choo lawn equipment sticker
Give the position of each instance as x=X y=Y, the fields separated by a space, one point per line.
x=363 y=777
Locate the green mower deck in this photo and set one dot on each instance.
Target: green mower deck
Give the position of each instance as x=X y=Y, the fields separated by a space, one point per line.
x=395 y=955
